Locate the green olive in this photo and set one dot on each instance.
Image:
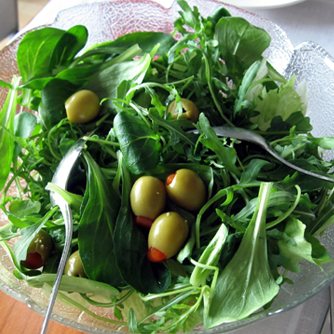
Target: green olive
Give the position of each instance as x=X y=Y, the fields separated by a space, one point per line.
x=190 y=110
x=82 y=107
x=74 y=267
x=38 y=251
x=147 y=198
x=167 y=236
x=186 y=189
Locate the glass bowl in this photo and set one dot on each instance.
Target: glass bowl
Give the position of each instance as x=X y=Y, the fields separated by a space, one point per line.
x=308 y=62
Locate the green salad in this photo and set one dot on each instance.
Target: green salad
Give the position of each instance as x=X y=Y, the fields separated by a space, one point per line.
x=172 y=228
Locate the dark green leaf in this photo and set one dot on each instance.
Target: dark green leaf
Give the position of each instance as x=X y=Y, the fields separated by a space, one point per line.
x=95 y=235
x=240 y=43
x=139 y=143
x=54 y=95
x=131 y=248
x=69 y=45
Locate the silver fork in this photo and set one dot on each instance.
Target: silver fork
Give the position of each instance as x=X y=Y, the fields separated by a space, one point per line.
x=61 y=178
x=255 y=138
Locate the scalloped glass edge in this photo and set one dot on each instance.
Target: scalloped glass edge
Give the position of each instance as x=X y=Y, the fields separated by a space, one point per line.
x=286 y=59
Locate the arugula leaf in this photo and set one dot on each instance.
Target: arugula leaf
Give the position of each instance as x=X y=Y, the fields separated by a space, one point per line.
x=246 y=283
x=226 y=154
x=28 y=234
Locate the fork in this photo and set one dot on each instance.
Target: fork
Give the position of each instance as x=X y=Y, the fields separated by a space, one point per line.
x=61 y=178
x=255 y=138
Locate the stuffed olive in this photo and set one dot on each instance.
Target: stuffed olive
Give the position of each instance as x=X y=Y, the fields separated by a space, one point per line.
x=167 y=236
x=74 y=267
x=189 y=110
x=147 y=198
x=82 y=107
x=38 y=251
x=186 y=189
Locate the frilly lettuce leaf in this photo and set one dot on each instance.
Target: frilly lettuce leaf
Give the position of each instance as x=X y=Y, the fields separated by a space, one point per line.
x=283 y=101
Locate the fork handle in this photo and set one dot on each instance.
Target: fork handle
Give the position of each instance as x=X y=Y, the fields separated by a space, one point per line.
x=67 y=215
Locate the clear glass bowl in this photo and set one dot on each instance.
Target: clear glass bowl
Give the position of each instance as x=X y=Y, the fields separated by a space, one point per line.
x=309 y=62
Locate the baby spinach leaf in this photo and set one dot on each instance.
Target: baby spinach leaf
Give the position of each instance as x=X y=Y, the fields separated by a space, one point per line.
x=72 y=41
x=140 y=145
x=131 y=248
x=146 y=40
x=240 y=43
x=105 y=83
x=23 y=208
x=52 y=109
x=246 y=283
x=96 y=227
x=42 y=50
x=24 y=125
x=33 y=54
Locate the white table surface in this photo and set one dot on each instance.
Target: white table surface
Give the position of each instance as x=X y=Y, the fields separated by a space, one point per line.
x=311 y=20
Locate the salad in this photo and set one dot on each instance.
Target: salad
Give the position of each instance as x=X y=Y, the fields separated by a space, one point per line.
x=172 y=228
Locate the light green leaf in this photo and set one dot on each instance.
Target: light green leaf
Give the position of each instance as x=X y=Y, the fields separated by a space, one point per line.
x=300 y=249
x=246 y=284
x=283 y=101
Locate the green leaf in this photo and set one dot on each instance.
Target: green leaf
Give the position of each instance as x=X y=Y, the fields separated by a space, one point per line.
x=209 y=257
x=140 y=145
x=96 y=227
x=7 y=116
x=300 y=249
x=226 y=155
x=283 y=102
x=146 y=40
x=23 y=208
x=246 y=283
x=28 y=234
x=245 y=83
x=131 y=248
x=24 y=125
x=72 y=41
x=240 y=43
x=54 y=95
x=190 y=17
x=106 y=82
x=33 y=54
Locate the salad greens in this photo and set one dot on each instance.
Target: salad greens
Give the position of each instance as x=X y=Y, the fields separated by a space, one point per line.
x=261 y=219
